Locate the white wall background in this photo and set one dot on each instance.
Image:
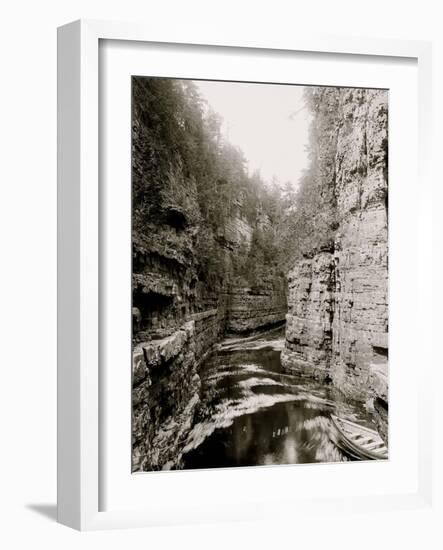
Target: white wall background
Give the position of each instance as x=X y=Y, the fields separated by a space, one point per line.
x=28 y=252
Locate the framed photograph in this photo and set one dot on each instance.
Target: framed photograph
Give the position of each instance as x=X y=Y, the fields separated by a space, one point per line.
x=238 y=229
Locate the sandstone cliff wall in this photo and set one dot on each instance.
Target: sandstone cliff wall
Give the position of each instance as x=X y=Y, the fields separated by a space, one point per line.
x=177 y=320
x=309 y=320
x=337 y=324
x=251 y=309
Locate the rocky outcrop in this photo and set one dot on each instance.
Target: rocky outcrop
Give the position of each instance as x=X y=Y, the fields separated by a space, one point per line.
x=337 y=324
x=208 y=330
x=165 y=393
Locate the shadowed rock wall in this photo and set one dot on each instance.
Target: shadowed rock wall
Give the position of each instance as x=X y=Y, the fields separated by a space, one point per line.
x=193 y=215
x=165 y=393
x=252 y=309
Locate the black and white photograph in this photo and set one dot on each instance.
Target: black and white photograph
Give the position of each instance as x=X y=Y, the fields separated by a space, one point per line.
x=223 y=253
x=259 y=274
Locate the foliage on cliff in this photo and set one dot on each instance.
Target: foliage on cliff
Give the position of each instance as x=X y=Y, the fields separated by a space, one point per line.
x=188 y=178
x=309 y=220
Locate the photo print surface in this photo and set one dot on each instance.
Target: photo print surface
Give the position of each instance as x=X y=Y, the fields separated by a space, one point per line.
x=259 y=274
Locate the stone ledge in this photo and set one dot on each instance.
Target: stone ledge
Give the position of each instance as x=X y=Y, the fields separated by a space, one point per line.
x=203 y=315
x=245 y=324
x=156 y=352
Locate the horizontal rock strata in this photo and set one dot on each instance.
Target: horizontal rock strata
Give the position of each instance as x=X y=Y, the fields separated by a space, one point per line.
x=308 y=347
x=251 y=309
x=165 y=394
x=337 y=324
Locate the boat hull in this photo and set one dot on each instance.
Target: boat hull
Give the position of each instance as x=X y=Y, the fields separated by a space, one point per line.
x=358 y=442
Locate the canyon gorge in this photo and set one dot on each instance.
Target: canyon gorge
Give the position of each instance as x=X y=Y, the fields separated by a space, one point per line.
x=221 y=258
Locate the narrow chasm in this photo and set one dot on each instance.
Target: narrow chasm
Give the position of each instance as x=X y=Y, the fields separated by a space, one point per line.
x=259 y=308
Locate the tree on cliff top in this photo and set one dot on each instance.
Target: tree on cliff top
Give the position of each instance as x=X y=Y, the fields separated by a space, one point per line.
x=308 y=223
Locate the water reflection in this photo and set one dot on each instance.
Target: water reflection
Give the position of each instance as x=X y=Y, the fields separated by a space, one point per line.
x=253 y=414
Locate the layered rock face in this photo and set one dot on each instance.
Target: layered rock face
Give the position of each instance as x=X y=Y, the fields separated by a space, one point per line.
x=310 y=316
x=208 y=329
x=251 y=309
x=360 y=328
x=177 y=320
x=195 y=213
x=337 y=324
x=165 y=393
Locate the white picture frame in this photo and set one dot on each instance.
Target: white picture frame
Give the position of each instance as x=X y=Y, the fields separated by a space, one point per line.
x=80 y=444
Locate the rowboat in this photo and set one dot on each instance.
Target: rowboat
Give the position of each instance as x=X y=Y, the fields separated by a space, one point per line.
x=358 y=441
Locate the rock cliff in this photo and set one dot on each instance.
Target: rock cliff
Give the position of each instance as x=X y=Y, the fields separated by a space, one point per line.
x=194 y=216
x=310 y=316
x=337 y=323
x=165 y=393
x=251 y=309
x=178 y=318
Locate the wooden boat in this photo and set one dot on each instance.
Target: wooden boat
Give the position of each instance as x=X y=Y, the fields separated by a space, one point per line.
x=358 y=441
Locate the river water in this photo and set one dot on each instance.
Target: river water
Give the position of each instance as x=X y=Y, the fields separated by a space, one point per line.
x=251 y=413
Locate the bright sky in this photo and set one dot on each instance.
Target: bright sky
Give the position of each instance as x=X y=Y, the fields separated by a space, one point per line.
x=268 y=123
